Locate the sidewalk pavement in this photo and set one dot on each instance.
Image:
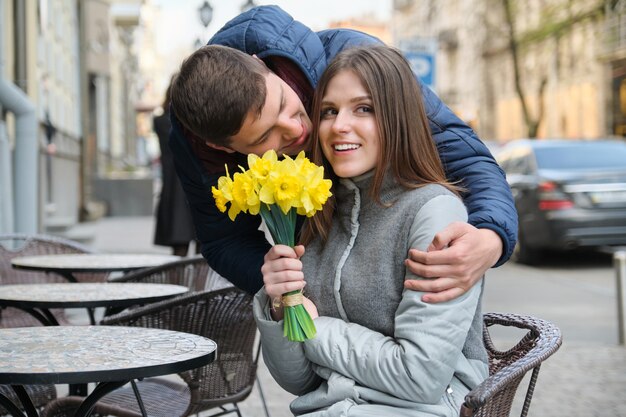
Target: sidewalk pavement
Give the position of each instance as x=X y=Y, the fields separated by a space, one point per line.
x=578 y=380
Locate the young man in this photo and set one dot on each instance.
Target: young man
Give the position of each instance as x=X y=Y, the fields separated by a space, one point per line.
x=227 y=104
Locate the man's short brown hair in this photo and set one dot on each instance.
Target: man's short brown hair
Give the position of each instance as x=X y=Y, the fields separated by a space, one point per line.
x=214 y=91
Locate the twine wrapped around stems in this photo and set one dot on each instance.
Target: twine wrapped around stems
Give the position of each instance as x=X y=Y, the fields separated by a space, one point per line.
x=293 y=299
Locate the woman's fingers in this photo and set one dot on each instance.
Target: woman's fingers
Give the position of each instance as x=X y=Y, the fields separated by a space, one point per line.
x=277 y=290
x=280 y=251
x=299 y=251
x=282 y=270
x=281 y=265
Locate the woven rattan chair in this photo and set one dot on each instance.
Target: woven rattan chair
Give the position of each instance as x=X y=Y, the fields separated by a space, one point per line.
x=224 y=316
x=39 y=394
x=494 y=397
x=14 y=245
x=189 y=272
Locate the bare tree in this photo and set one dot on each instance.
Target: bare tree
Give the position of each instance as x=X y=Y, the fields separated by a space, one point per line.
x=532 y=121
x=558 y=18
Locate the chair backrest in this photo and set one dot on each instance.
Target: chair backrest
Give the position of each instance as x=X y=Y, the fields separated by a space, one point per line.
x=224 y=316
x=14 y=245
x=494 y=397
x=189 y=272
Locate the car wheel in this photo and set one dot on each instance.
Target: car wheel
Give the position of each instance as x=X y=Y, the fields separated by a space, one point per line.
x=524 y=254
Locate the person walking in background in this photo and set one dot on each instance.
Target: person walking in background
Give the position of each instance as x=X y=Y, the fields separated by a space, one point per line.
x=380 y=350
x=174 y=226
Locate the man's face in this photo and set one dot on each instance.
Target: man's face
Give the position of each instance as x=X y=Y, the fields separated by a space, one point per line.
x=283 y=124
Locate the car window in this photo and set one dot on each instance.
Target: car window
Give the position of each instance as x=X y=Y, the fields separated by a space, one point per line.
x=518 y=161
x=528 y=164
x=582 y=156
x=516 y=165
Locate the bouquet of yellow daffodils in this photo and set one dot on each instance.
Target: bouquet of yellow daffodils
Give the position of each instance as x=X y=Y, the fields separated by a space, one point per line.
x=278 y=190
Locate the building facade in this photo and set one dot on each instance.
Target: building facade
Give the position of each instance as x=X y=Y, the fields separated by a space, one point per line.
x=559 y=79
x=39 y=54
x=62 y=61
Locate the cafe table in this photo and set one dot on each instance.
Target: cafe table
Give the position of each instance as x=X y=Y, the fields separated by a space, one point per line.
x=38 y=299
x=68 y=264
x=110 y=356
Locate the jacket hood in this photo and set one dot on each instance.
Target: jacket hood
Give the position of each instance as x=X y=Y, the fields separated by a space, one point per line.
x=270 y=31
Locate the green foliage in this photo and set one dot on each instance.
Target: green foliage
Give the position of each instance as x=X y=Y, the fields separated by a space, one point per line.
x=555 y=22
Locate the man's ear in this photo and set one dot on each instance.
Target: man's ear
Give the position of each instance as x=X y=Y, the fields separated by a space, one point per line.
x=256 y=57
x=218 y=147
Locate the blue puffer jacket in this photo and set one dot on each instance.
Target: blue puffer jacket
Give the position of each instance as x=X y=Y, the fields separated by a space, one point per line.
x=236 y=249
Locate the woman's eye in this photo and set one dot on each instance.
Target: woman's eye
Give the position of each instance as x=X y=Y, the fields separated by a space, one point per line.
x=327 y=112
x=365 y=109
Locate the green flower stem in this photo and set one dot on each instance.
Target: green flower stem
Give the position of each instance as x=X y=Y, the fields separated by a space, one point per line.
x=282 y=226
x=298 y=325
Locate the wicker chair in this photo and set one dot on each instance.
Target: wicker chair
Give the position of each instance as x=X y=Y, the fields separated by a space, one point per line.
x=189 y=272
x=40 y=395
x=224 y=316
x=494 y=397
x=14 y=245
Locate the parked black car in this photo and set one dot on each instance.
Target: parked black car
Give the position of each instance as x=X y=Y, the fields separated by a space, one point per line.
x=568 y=193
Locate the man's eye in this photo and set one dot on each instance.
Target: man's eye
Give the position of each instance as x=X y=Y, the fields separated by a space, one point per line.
x=263 y=140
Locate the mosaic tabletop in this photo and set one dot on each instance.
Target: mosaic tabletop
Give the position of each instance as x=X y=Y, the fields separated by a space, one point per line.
x=99 y=294
x=82 y=354
x=92 y=262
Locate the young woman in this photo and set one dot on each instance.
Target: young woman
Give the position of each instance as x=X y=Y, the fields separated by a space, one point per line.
x=379 y=350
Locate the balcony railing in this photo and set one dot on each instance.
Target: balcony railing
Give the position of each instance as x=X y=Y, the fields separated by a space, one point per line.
x=614 y=39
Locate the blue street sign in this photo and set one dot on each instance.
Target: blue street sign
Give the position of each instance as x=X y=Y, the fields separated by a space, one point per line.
x=423 y=65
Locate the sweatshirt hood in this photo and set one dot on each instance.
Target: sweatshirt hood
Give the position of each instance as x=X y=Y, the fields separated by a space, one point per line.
x=269 y=31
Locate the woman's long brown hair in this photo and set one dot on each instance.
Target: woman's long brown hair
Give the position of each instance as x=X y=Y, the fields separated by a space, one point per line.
x=407 y=150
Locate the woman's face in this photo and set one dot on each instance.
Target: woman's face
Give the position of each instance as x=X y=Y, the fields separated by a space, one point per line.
x=348 y=132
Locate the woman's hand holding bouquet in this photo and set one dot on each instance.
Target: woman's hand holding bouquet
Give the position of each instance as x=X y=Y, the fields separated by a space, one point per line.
x=282 y=273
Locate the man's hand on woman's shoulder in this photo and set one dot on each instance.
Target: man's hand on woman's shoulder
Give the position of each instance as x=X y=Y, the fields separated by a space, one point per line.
x=456 y=259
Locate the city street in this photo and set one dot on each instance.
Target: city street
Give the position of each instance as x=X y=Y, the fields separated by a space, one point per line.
x=117 y=117
x=576 y=291
x=586 y=377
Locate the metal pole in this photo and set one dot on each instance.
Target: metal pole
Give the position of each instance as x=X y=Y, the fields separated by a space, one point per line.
x=619 y=262
x=6 y=164
x=25 y=156
x=7 y=222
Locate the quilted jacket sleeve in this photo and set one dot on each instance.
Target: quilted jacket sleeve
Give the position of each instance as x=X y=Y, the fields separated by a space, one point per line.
x=466 y=159
x=284 y=359
x=418 y=362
